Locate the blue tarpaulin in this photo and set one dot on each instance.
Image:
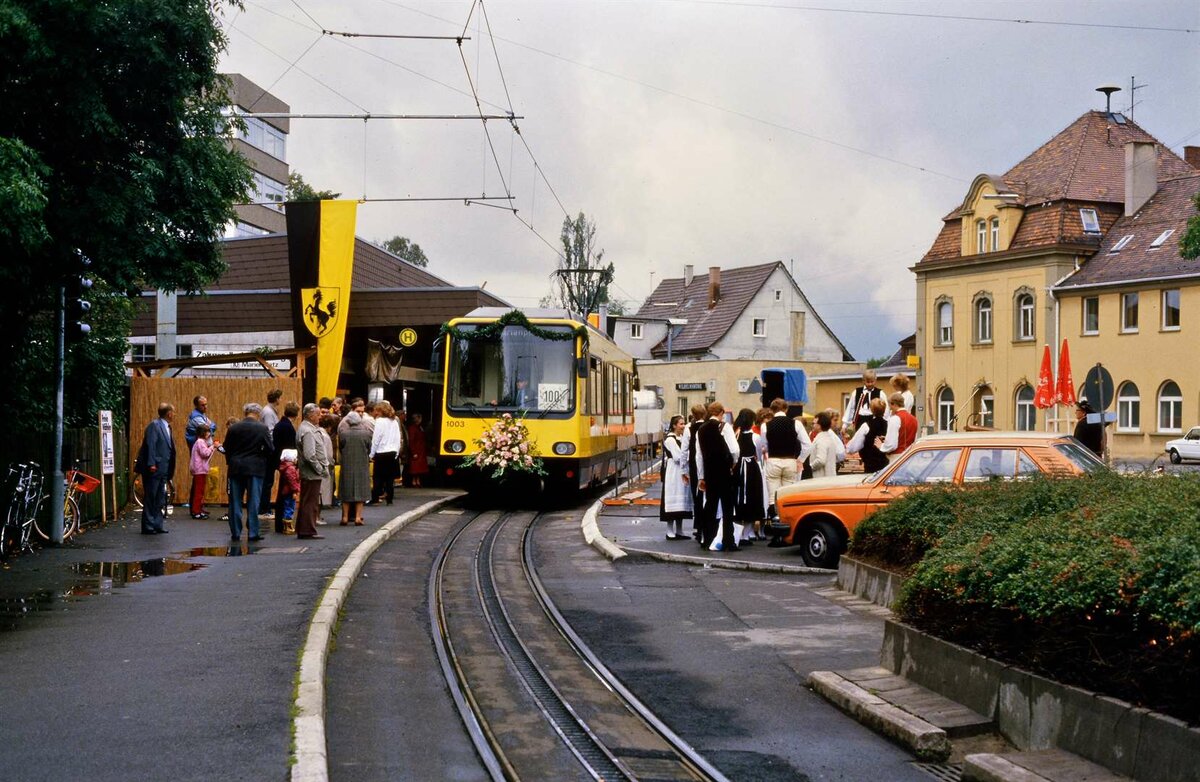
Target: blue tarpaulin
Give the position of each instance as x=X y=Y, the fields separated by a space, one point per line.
x=795 y=384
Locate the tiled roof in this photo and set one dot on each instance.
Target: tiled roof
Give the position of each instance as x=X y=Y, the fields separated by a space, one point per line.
x=948 y=243
x=1168 y=209
x=673 y=299
x=1086 y=162
x=261 y=262
x=386 y=291
x=1082 y=166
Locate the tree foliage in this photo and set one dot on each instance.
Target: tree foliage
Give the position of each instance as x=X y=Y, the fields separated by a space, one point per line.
x=113 y=145
x=409 y=251
x=299 y=190
x=582 y=281
x=1189 y=243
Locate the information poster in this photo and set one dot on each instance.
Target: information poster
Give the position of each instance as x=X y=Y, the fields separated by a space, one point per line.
x=107 y=454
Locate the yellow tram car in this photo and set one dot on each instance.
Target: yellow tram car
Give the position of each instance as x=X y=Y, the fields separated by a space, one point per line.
x=575 y=395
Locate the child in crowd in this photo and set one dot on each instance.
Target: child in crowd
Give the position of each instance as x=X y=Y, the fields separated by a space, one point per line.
x=289 y=487
x=202 y=452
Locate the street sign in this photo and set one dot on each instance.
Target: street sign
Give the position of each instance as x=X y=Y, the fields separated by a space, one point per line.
x=914 y=362
x=408 y=337
x=1098 y=387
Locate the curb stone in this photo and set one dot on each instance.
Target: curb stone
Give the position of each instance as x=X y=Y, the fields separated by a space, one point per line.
x=312 y=763
x=927 y=742
x=730 y=564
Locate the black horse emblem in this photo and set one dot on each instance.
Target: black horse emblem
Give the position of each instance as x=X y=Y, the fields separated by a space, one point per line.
x=321 y=311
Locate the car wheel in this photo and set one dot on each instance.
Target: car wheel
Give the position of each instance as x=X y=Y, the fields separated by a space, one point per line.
x=1175 y=457
x=821 y=545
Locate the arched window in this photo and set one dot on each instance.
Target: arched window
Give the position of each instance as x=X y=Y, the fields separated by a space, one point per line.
x=986 y=407
x=981 y=236
x=945 y=323
x=1129 y=408
x=995 y=234
x=1170 y=408
x=1026 y=323
x=983 y=319
x=1026 y=412
x=945 y=410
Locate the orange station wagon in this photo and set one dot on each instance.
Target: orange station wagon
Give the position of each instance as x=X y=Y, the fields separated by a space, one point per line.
x=820 y=514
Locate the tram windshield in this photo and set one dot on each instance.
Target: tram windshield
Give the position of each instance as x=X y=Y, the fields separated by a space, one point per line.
x=512 y=371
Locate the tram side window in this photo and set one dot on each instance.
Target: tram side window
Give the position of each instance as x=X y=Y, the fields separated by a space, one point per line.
x=594 y=387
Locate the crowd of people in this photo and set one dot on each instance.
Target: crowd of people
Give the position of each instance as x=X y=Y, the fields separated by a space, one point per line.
x=722 y=471
x=327 y=454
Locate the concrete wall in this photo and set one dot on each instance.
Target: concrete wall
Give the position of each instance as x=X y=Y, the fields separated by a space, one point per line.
x=784 y=339
x=1035 y=713
x=1148 y=358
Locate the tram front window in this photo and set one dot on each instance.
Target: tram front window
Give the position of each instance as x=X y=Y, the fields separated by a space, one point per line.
x=513 y=371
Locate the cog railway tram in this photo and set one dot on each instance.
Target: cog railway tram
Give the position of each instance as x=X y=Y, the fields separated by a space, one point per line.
x=569 y=383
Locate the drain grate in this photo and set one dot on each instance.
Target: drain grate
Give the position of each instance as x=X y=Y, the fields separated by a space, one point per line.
x=946 y=772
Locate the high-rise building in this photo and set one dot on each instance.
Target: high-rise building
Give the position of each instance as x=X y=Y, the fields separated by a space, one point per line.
x=263 y=143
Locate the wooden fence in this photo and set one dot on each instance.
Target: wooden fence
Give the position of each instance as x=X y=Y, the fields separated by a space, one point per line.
x=225 y=395
x=81 y=447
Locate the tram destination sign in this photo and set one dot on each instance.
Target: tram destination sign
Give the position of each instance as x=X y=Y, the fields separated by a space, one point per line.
x=691 y=386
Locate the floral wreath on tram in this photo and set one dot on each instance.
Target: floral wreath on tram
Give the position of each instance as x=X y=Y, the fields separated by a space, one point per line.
x=506 y=447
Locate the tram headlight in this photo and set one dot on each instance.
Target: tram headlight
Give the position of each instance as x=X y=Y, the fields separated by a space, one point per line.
x=455 y=446
x=564 y=449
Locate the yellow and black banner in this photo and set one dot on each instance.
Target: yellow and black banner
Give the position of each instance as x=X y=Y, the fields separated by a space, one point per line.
x=321 y=259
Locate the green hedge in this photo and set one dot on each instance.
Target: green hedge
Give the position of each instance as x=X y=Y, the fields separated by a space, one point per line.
x=1094 y=581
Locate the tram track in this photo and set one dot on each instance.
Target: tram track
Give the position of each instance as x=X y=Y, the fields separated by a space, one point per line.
x=535 y=700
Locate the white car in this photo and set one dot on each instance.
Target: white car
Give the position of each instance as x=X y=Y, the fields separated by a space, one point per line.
x=1186 y=447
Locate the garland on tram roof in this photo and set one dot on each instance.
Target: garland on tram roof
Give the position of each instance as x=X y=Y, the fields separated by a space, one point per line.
x=512 y=318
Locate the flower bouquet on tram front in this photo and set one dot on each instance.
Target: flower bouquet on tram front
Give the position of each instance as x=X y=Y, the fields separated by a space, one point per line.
x=506 y=447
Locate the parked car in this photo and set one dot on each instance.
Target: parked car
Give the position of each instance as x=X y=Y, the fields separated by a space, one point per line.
x=1186 y=447
x=820 y=514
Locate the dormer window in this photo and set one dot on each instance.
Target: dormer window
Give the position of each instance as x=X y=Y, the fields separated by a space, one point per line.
x=981 y=236
x=995 y=234
x=1121 y=243
x=1091 y=221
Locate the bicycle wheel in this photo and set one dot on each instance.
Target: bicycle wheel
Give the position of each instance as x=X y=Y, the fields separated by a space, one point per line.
x=137 y=490
x=71 y=517
x=8 y=533
x=43 y=527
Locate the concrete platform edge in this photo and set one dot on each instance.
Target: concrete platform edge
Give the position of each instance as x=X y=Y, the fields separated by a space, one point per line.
x=729 y=564
x=926 y=741
x=311 y=762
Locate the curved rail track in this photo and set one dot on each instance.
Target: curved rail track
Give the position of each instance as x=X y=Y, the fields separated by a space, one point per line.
x=536 y=702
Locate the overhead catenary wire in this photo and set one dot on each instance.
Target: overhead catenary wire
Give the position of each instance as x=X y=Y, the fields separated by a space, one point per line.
x=286 y=70
x=948 y=17
x=296 y=68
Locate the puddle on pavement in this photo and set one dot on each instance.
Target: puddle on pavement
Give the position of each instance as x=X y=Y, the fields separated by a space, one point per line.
x=233 y=550
x=92 y=579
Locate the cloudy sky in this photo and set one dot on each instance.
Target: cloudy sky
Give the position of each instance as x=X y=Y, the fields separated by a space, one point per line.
x=832 y=136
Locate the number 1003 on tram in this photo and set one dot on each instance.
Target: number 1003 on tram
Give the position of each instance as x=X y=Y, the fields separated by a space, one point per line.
x=569 y=383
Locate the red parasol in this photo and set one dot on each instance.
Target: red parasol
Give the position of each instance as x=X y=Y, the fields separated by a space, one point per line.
x=1043 y=398
x=1064 y=392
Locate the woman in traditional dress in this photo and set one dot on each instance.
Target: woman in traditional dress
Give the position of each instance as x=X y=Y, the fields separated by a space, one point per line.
x=869 y=437
x=677 y=494
x=750 y=508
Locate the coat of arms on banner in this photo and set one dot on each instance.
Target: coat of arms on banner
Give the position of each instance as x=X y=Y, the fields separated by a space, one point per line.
x=321 y=309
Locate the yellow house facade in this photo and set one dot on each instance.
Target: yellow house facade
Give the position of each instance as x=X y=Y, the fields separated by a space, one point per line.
x=1032 y=257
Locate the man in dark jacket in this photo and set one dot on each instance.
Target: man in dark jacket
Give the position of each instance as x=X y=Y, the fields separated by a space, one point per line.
x=284 y=436
x=247 y=449
x=715 y=462
x=1091 y=435
x=156 y=463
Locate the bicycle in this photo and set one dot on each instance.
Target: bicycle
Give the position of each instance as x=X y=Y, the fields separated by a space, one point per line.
x=25 y=499
x=139 y=493
x=76 y=484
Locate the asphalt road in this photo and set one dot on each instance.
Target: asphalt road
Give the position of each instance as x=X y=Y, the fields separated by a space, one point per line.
x=181 y=677
x=721 y=657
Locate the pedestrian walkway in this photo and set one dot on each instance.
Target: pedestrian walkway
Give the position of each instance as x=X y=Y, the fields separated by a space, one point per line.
x=149 y=656
x=636 y=529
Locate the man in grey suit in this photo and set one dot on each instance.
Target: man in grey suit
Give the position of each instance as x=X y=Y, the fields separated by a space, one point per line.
x=156 y=463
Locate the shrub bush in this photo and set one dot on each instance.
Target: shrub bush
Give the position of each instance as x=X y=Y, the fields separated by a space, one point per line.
x=1092 y=581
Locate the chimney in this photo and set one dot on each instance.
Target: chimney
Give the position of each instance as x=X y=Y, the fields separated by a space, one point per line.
x=1141 y=174
x=688 y=273
x=1192 y=156
x=714 y=286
